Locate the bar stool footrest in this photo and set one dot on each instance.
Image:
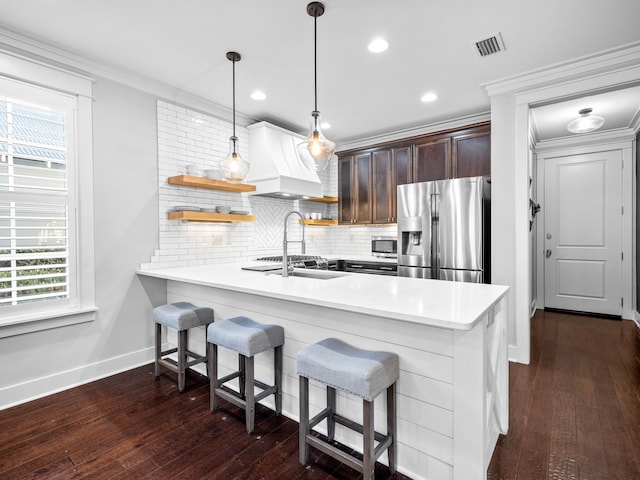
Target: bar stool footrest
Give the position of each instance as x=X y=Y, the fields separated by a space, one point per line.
x=228 y=378
x=234 y=397
x=230 y=397
x=319 y=417
x=172 y=364
x=379 y=437
x=335 y=452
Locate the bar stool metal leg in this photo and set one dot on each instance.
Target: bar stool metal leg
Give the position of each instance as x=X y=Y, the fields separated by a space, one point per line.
x=304 y=420
x=242 y=375
x=212 y=354
x=391 y=426
x=183 y=341
x=367 y=440
x=277 y=381
x=331 y=407
x=158 y=348
x=250 y=410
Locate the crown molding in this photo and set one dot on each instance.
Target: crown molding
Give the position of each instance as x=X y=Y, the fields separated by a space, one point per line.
x=37 y=51
x=415 y=131
x=618 y=58
x=592 y=139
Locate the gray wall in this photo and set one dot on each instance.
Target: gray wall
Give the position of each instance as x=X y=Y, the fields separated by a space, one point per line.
x=126 y=230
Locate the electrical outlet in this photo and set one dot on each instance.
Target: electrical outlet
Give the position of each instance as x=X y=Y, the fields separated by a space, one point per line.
x=216 y=240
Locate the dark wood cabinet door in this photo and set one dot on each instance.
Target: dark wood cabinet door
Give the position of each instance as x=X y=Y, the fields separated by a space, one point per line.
x=472 y=154
x=362 y=188
x=432 y=160
x=402 y=161
x=383 y=181
x=403 y=174
x=345 y=189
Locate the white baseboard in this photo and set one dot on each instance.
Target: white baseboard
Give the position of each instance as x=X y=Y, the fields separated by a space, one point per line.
x=516 y=356
x=636 y=318
x=41 y=387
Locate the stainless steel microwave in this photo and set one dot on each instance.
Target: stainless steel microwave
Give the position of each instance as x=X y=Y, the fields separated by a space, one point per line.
x=384 y=247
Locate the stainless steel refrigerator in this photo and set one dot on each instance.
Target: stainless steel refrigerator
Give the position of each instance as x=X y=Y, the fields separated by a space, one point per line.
x=443 y=230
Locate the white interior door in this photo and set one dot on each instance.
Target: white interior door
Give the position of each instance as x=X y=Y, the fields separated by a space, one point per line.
x=582 y=237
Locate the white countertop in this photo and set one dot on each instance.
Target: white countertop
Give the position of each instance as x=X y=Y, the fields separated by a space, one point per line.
x=452 y=305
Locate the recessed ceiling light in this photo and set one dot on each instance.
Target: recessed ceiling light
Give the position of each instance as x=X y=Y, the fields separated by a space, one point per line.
x=325 y=125
x=378 y=45
x=429 y=97
x=258 y=95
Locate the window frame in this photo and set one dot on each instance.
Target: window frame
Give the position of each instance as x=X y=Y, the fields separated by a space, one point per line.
x=17 y=68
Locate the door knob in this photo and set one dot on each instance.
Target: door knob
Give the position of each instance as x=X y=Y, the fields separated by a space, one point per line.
x=547 y=254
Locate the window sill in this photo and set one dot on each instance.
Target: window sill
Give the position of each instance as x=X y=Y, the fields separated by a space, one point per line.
x=45 y=321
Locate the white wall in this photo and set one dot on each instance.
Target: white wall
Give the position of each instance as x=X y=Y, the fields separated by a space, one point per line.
x=504 y=215
x=126 y=226
x=511 y=100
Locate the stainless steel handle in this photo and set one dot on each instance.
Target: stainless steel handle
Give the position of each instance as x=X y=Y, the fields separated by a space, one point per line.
x=547 y=254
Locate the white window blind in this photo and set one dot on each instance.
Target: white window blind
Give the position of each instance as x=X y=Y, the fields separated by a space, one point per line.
x=35 y=200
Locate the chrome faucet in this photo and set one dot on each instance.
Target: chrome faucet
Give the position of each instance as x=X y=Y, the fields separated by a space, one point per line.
x=285 y=242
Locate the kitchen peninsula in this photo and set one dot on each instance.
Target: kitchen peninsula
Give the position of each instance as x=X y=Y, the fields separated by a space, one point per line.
x=451 y=339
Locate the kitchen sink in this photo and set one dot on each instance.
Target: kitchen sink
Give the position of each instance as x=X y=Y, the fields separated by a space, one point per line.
x=317 y=274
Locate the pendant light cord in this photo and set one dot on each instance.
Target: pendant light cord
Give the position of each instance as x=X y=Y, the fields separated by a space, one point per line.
x=315 y=62
x=234 y=103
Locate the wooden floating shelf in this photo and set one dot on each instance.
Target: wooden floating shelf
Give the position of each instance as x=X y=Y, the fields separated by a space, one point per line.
x=210 y=217
x=201 y=182
x=320 y=223
x=325 y=199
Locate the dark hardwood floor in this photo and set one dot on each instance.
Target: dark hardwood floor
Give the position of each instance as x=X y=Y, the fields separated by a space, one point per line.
x=575 y=414
x=130 y=426
x=575 y=410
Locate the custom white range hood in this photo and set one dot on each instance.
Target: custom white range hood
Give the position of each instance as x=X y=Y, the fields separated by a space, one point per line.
x=276 y=170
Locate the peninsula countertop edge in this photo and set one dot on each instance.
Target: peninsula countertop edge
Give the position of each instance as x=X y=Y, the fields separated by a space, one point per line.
x=437 y=303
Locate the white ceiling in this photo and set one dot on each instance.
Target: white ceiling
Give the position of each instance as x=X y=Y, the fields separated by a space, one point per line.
x=620 y=109
x=182 y=44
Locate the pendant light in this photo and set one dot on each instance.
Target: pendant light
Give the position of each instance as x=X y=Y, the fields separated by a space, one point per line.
x=585 y=122
x=233 y=168
x=316 y=151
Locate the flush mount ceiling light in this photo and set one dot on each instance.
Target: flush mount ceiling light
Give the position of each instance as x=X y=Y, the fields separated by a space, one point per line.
x=429 y=97
x=316 y=151
x=378 y=45
x=585 y=122
x=258 y=95
x=233 y=168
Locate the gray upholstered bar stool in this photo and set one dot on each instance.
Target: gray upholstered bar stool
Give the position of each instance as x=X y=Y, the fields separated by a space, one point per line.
x=363 y=373
x=247 y=338
x=180 y=316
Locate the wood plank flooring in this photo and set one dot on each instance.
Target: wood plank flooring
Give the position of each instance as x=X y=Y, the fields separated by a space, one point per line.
x=130 y=426
x=575 y=414
x=575 y=410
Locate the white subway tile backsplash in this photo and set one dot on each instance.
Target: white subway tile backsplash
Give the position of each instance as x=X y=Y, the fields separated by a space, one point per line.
x=188 y=137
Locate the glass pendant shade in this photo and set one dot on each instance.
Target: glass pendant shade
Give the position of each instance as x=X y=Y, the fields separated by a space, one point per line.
x=233 y=168
x=316 y=151
x=585 y=122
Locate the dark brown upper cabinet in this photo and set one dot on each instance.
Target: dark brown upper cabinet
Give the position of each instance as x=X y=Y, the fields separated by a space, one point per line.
x=354 y=189
x=368 y=177
x=472 y=154
x=432 y=160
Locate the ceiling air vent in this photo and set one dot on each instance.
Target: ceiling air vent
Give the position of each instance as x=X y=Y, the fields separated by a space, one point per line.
x=490 y=45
